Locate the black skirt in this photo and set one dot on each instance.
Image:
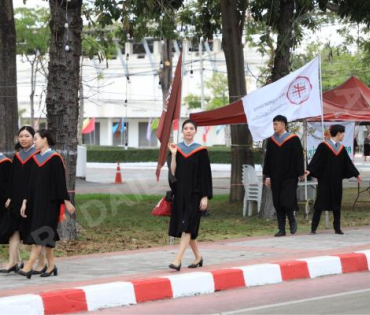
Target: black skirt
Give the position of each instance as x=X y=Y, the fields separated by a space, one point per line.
x=367 y=149
x=9 y=223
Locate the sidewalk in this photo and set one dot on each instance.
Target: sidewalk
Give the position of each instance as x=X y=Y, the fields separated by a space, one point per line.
x=128 y=266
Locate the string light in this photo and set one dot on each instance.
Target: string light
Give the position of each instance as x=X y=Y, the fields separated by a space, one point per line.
x=66 y=26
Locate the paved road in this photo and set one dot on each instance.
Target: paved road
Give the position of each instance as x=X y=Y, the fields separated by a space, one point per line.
x=342 y=294
x=138 y=264
x=139 y=178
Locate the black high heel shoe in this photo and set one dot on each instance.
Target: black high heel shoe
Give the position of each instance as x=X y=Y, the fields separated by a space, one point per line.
x=48 y=274
x=172 y=266
x=43 y=270
x=199 y=264
x=12 y=269
x=28 y=274
x=21 y=265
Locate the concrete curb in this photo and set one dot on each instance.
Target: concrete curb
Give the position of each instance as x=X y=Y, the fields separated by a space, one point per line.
x=115 y=294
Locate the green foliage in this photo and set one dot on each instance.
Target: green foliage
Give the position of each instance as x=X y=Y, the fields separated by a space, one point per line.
x=113 y=155
x=338 y=64
x=356 y=10
x=193 y=101
x=218 y=86
x=139 y=18
x=32 y=30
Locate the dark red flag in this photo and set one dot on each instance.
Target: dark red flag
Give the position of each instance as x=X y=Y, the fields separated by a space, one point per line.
x=171 y=111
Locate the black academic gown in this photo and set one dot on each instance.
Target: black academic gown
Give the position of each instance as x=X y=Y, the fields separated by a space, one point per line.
x=283 y=164
x=193 y=182
x=330 y=166
x=5 y=169
x=17 y=188
x=46 y=194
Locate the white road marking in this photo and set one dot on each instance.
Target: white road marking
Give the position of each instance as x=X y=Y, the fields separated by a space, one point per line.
x=294 y=302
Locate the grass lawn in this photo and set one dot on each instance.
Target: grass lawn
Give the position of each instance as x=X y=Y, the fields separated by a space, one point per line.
x=123 y=222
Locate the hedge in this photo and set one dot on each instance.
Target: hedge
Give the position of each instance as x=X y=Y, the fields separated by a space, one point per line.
x=116 y=154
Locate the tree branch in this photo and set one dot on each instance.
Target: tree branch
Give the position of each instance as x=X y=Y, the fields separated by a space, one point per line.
x=332 y=7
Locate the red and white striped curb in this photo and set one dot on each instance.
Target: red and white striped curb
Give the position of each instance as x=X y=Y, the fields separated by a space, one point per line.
x=94 y=297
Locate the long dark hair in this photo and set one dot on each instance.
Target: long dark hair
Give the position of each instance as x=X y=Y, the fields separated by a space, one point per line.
x=44 y=133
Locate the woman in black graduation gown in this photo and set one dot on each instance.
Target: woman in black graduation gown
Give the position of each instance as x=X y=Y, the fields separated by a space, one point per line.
x=5 y=169
x=18 y=184
x=41 y=209
x=192 y=189
x=330 y=165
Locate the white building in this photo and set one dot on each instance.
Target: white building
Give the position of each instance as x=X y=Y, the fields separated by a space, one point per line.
x=128 y=88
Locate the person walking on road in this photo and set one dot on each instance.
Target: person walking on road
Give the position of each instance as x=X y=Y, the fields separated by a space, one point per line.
x=192 y=188
x=330 y=165
x=43 y=205
x=282 y=167
x=18 y=184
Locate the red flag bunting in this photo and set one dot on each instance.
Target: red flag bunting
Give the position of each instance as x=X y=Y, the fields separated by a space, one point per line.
x=171 y=111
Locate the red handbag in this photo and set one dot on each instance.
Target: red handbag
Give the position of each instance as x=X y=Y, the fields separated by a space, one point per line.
x=163 y=208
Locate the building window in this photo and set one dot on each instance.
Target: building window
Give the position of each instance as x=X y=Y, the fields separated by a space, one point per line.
x=120 y=138
x=146 y=140
x=92 y=138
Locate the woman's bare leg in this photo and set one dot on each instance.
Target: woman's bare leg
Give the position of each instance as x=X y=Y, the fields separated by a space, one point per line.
x=184 y=242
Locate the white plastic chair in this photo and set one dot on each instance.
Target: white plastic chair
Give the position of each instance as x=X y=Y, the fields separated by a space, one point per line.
x=253 y=189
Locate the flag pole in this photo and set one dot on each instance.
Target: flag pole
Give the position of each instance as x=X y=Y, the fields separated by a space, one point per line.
x=323 y=130
x=322 y=103
x=182 y=77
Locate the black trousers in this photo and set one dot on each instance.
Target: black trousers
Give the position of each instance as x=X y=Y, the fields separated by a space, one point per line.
x=316 y=220
x=281 y=215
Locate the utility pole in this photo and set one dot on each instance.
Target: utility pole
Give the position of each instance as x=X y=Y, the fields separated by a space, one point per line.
x=201 y=73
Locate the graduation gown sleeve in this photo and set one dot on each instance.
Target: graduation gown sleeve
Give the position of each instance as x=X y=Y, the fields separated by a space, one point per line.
x=5 y=171
x=205 y=175
x=267 y=162
x=318 y=162
x=59 y=190
x=298 y=156
x=171 y=178
x=349 y=169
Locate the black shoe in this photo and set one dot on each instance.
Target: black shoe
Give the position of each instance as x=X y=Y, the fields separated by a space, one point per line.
x=25 y=274
x=13 y=269
x=21 y=265
x=43 y=270
x=199 y=264
x=313 y=232
x=293 y=227
x=172 y=266
x=339 y=232
x=280 y=233
x=48 y=274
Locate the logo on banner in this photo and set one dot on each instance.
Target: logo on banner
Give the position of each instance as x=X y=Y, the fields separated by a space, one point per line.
x=299 y=90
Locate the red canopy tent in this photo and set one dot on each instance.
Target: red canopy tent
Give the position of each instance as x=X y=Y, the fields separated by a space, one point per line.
x=348 y=102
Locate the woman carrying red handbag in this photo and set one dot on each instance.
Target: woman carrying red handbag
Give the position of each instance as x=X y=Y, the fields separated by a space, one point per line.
x=192 y=189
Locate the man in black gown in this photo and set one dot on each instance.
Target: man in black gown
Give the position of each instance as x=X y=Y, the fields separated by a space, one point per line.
x=330 y=165
x=283 y=165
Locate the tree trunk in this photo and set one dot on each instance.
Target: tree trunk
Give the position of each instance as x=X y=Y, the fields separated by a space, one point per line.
x=284 y=41
x=166 y=72
x=241 y=140
x=33 y=87
x=8 y=79
x=82 y=106
x=62 y=91
x=281 y=68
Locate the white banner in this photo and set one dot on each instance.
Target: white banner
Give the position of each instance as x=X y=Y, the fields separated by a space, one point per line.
x=294 y=96
x=314 y=136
